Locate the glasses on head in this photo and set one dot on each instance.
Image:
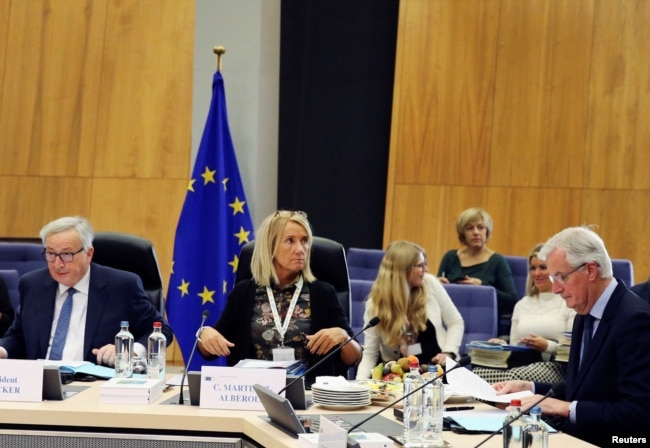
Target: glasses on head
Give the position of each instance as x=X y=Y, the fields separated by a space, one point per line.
x=290 y=213
x=65 y=257
x=561 y=278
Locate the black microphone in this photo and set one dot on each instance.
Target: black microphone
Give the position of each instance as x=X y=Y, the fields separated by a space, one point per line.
x=205 y=315
x=550 y=393
x=374 y=321
x=462 y=362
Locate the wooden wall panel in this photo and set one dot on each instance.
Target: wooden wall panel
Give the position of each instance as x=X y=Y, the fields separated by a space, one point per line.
x=541 y=93
x=618 y=132
x=551 y=134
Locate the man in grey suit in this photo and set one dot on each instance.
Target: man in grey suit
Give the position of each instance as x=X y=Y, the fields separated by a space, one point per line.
x=72 y=309
x=605 y=398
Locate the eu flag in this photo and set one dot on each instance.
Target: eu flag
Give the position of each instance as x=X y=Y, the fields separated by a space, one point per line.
x=214 y=224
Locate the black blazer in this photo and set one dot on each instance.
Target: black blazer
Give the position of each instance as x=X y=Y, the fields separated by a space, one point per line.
x=612 y=386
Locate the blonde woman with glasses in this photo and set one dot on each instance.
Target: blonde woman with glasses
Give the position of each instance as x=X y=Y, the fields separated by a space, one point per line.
x=283 y=312
x=417 y=316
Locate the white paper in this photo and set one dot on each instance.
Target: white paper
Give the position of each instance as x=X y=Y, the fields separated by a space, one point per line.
x=467 y=382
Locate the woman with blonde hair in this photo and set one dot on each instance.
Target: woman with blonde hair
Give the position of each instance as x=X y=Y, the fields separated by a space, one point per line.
x=283 y=312
x=414 y=309
x=538 y=321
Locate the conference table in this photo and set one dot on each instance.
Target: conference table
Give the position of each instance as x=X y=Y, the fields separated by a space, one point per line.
x=53 y=423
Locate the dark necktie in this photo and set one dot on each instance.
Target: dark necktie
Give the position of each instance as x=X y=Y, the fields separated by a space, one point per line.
x=58 y=341
x=586 y=334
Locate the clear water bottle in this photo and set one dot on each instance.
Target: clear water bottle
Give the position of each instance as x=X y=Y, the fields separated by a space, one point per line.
x=512 y=431
x=433 y=409
x=156 y=352
x=413 y=407
x=535 y=432
x=123 y=351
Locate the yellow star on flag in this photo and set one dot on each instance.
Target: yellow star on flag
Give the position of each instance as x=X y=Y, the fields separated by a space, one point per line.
x=208 y=176
x=184 y=288
x=237 y=206
x=225 y=183
x=234 y=263
x=190 y=186
x=225 y=286
x=206 y=295
x=242 y=235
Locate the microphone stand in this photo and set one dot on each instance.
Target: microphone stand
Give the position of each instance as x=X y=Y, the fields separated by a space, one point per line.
x=181 y=400
x=548 y=394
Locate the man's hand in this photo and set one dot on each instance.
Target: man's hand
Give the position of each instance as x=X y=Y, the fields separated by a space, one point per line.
x=550 y=406
x=105 y=355
x=506 y=387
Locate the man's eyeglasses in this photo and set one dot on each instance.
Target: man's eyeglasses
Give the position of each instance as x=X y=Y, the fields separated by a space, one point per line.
x=561 y=278
x=65 y=257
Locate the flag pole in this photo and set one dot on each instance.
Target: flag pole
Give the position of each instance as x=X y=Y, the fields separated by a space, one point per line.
x=219 y=51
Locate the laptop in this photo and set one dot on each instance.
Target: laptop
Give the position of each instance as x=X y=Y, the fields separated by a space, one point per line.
x=282 y=415
x=53 y=388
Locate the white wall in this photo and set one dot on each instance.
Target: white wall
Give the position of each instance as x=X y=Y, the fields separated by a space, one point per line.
x=250 y=32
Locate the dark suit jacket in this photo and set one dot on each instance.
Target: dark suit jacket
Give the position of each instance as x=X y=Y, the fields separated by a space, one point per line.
x=642 y=290
x=6 y=309
x=113 y=296
x=612 y=386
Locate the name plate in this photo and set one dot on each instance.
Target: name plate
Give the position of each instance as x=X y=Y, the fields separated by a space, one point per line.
x=232 y=387
x=21 y=380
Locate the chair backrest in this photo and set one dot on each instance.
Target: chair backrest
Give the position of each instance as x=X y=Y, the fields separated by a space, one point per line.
x=478 y=306
x=328 y=264
x=363 y=264
x=359 y=290
x=11 y=277
x=21 y=256
x=134 y=254
x=624 y=270
x=519 y=267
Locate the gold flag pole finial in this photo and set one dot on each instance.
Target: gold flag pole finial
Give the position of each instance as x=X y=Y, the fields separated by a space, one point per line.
x=219 y=51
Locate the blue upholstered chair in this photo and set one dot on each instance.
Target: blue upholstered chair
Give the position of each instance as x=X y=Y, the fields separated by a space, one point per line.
x=21 y=256
x=478 y=306
x=359 y=290
x=11 y=277
x=363 y=264
x=519 y=267
x=624 y=270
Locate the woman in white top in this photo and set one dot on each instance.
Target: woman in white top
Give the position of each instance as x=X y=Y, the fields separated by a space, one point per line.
x=538 y=322
x=414 y=310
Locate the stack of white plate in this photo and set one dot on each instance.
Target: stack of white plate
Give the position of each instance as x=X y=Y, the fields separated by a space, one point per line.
x=340 y=396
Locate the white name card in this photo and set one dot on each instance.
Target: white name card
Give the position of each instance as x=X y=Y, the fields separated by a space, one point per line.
x=21 y=380
x=232 y=387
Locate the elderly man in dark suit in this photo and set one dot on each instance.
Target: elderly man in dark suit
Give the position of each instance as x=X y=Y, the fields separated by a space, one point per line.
x=607 y=392
x=72 y=310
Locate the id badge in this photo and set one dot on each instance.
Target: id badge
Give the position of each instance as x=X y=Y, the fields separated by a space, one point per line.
x=283 y=354
x=414 y=349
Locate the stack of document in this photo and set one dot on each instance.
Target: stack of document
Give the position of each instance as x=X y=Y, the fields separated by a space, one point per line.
x=562 y=353
x=131 y=390
x=489 y=354
x=293 y=367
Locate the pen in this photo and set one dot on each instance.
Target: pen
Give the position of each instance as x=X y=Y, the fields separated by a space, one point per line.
x=459 y=408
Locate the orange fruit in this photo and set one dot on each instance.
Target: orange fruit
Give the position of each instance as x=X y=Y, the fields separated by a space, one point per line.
x=413 y=358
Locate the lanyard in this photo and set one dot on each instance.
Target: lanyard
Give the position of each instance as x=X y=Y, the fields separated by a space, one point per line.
x=282 y=328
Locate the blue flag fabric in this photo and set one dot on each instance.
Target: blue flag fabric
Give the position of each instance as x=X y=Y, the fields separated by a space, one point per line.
x=214 y=224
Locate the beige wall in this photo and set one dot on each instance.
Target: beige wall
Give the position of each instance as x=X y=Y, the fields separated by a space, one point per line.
x=535 y=110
